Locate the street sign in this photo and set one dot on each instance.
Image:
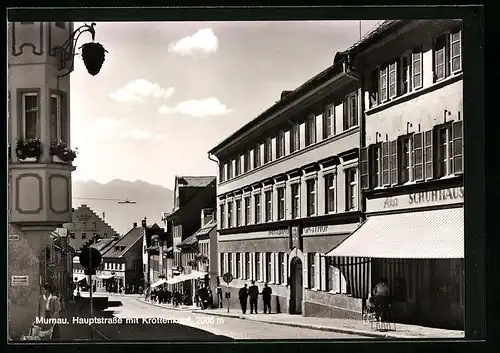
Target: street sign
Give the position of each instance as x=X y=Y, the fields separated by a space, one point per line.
x=90 y=258
x=227 y=277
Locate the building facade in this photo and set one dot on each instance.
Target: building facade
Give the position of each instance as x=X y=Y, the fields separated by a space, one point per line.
x=412 y=168
x=152 y=252
x=86 y=225
x=288 y=192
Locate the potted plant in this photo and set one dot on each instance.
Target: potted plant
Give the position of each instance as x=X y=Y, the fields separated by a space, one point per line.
x=193 y=263
x=61 y=153
x=28 y=150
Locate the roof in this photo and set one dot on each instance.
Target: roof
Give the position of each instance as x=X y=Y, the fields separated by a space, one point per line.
x=191 y=240
x=195 y=181
x=190 y=202
x=206 y=228
x=437 y=234
x=128 y=240
x=104 y=244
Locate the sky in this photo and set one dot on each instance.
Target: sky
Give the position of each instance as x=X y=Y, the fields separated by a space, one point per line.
x=168 y=92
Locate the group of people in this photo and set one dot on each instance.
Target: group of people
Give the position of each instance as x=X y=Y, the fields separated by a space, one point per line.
x=162 y=295
x=253 y=293
x=204 y=297
x=380 y=300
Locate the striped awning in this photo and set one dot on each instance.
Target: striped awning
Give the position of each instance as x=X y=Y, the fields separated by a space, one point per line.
x=437 y=234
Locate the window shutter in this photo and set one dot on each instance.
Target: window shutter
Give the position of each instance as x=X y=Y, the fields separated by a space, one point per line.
x=393 y=152
x=285 y=269
x=428 y=154
x=457 y=133
x=305 y=268
x=277 y=268
x=317 y=271
x=323 y=272
x=252 y=266
x=262 y=267
x=273 y=272
x=345 y=118
x=386 y=171
x=374 y=91
x=364 y=168
x=418 y=156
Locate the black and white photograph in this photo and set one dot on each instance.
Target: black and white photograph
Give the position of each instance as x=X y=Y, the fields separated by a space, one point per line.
x=221 y=181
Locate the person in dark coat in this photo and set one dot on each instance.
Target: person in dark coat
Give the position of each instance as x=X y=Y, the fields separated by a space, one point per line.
x=382 y=299
x=253 y=293
x=266 y=298
x=243 y=296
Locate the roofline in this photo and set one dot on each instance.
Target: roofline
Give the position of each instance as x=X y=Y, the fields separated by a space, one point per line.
x=173 y=215
x=130 y=246
x=119 y=239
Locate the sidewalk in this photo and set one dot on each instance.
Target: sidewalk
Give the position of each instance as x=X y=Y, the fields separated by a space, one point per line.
x=356 y=327
x=169 y=306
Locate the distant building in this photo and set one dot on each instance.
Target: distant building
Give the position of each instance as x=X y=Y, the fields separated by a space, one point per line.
x=192 y=194
x=153 y=236
x=87 y=226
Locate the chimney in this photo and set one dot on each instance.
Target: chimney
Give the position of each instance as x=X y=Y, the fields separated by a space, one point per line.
x=104 y=216
x=143 y=223
x=135 y=224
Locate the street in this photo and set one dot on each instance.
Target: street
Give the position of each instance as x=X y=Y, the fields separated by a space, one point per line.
x=193 y=326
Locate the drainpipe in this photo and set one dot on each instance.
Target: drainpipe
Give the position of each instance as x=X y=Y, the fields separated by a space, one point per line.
x=211 y=158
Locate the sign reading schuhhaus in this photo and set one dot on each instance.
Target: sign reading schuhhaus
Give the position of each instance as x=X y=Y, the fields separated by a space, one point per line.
x=416 y=200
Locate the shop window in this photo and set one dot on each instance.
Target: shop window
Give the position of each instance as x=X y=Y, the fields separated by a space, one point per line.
x=311 y=270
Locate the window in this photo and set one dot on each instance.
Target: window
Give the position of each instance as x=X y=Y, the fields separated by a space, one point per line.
x=418 y=156
x=237 y=166
x=457 y=133
x=247 y=210
x=229 y=214
x=393 y=80
x=447 y=55
x=84 y=235
x=281 y=268
x=405 y=159
x=238 y=265
x=440 y=58
x=229 y=170
x=238 y=213
x=61 y=25
x=221 y=255
x=94 y=225
x=281 y=203
x=230 y=262
x=295 y=188
x=280 y=144
x=268 y=195
x=456 y=51
x=84 y=224
x=246 y=162
x=311 y=268
x=248 y=274
x=222 y=215
x=256 y=157
x=351 y=111
x=310 y=130
x=405 y=75
x=416 y=64
x=268 y=150
x=393 y=161
x=329 y=121
x=268 y=266
x=375 y=165
x=58 y=126
x=30 y=115
x=330 y=193
x=311 y=197
x=351 y=189
x=221 y=172
x=257 y=267
x=295 y=138
x=374 y=88
x=383 y=84
x=444 y=155
x=257 y=208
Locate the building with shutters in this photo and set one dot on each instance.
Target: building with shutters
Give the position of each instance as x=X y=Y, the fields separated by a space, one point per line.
x=288 y=192
x=411 y=163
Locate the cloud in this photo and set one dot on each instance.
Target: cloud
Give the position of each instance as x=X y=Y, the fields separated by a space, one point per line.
x=138 y=90
x=197 y=108
x=203 y=41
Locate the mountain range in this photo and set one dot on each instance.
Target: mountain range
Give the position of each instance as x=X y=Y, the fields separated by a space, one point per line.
x=151 y=200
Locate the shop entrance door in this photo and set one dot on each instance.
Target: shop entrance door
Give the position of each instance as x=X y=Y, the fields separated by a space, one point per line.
x=296 y=286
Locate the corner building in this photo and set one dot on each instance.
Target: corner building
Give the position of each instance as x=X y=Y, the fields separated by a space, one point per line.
x=411 y=164
x=288 y=193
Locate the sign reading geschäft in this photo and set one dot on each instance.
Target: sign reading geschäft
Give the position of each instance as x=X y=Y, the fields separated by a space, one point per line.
x=416 y=200
x=19 y=281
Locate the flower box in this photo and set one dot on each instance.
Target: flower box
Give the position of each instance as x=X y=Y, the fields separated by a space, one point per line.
x=28 y=160
x=61 y=153
x=57 y=159
x=28 y=150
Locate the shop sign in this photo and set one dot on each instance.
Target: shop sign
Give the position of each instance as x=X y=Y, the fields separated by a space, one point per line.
x=278 y=232
x=13 y=237
x=315 y=230
x=416 y=200
x=19 y=281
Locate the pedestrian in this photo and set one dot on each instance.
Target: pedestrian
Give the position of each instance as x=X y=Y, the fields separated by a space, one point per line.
x=381 y=294
x=210 y=298
x=243 y=295
x=266 y=298
x=253 y=293
x=52 y=306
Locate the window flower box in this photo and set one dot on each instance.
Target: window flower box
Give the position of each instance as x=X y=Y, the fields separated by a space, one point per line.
x=28 y=150
x=61 y=153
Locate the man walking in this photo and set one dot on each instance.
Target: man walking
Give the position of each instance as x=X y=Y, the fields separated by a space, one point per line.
x=243 y=295
x=382 y=299
x=266 y=298
x=253 y=293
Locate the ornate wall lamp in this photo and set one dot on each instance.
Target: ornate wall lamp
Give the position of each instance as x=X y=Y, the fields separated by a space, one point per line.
x=93 y=53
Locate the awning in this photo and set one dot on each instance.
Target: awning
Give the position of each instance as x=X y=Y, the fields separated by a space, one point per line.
x=174 y=280
x=192 y=275
x=158 y=283
x=105 y=276
x=78 y=277
x=437 y=234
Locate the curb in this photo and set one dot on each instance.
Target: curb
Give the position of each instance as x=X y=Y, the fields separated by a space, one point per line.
x=163 y=307
x=316 y=327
